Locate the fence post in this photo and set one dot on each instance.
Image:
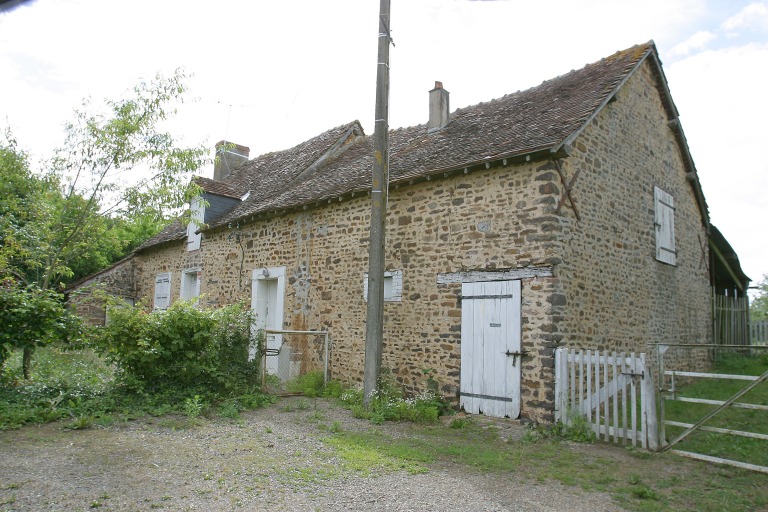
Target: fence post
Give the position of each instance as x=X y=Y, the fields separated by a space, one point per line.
x=558 y=385
x=650 y=418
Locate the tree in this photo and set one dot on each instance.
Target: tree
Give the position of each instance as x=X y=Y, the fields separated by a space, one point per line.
x=116 y=179
x=30 y=317
x=100 y=151
x=758 y=309
x=20 y=196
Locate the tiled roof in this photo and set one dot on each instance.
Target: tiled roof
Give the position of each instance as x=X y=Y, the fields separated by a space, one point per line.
x=538 y=120
x=220 y=188
x=263 y=177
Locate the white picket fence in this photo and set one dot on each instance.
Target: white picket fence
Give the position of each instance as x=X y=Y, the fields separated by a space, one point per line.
x=613 y=392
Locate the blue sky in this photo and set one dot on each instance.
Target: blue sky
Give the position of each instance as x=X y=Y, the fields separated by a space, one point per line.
x=269 y=75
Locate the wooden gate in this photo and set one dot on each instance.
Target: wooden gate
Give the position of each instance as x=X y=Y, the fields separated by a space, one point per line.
x=672 y=394
x=490 y=348
x=613 y=392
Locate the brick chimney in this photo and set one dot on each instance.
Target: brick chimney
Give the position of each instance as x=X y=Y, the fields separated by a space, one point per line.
x=438 y=108
x=228 y=156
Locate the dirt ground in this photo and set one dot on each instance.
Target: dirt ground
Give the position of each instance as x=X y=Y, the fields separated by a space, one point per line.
x=271 y=459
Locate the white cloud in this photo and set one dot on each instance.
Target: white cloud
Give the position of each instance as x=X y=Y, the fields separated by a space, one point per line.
x=754 y=15
x=696 y=42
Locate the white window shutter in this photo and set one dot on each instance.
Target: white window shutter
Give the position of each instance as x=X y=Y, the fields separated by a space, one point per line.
x=664 y=208
x=163 y=290
x=393 y=286
x=198 y=215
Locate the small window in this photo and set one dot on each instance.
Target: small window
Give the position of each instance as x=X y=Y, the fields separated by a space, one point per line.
x=190 y=284
x=393 y=286
x=163 y=290
x=193 y=228
x=664 y=219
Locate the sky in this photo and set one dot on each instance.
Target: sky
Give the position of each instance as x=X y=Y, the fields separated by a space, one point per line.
x=271 y=74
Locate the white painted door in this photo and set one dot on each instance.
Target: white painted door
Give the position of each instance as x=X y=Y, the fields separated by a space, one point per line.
x=267 y=302
x=490 y=348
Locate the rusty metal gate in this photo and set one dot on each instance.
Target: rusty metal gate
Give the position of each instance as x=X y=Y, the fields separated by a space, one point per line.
x=288 y=355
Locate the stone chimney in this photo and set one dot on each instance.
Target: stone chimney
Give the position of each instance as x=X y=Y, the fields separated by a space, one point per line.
x=228 y=156
x=438 y=108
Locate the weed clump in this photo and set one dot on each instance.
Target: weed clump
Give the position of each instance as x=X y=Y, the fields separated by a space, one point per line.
x=578 y=430
x=388 y=403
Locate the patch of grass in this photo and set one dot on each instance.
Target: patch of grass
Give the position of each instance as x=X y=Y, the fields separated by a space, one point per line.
x=81 y=423
x=316 y=416
x=193 y=406
x=361 y=455
x=63 y=384
x=311 y=384
x=229 y=409
x=461 y=422
x=578 y=431
x=658 y=482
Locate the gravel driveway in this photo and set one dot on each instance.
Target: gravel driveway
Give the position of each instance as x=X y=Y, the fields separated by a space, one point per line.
x=271 y=459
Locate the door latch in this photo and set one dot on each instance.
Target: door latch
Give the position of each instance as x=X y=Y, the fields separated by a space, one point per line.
x=514 y=356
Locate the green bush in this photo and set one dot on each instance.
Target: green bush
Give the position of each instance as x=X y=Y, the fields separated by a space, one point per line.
x=183 y=348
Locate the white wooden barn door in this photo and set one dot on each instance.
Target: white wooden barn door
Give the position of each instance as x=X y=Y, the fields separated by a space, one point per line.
x=490 y=348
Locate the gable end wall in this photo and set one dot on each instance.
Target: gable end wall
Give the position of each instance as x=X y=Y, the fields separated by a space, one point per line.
x=619 y=296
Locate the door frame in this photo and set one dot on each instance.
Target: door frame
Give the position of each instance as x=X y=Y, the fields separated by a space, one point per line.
x=259 y=275
x=473 y=395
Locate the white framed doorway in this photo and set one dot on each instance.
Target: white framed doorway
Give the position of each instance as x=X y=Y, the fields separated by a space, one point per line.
x=268 y=304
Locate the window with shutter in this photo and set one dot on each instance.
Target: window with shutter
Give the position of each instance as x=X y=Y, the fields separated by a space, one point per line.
x=664 y=219
x=193 y=228
x=190 y=284
x=163 y=290
x=393 y=286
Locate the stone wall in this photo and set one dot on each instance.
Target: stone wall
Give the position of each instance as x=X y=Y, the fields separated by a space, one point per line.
x=485 y=220
x=170 y=257
x=618 y=295
x=88 y=298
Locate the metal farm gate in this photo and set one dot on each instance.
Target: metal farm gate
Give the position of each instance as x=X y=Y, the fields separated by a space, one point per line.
x=671 y=379
x=290 y=354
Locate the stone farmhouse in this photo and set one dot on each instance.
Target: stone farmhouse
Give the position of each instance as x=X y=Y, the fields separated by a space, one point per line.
x=569 y=214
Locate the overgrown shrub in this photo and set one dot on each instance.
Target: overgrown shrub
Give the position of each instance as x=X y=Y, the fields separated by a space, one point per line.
x=183 y=347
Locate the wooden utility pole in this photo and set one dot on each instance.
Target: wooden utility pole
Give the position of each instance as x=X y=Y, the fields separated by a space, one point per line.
x=374 y=330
